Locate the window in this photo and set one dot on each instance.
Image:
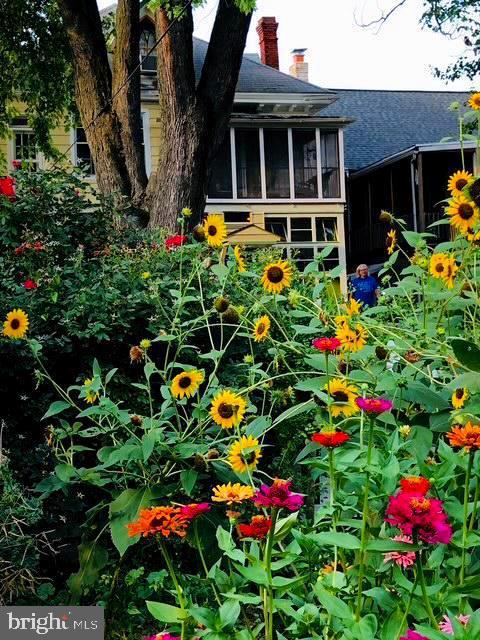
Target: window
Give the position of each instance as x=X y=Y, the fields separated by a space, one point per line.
x=279 y=226
x=247 y=152
x=221 y=174
x=147 y=40
x=301 y=229
x=235 y=217
x=305 y=163
x=24 y=149
x=326 y=229
x=276 y=163
x=330 y=164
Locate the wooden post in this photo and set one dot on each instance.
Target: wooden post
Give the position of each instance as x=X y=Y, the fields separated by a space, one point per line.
x=421 y=199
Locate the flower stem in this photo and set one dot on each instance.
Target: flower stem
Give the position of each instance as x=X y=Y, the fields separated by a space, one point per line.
x=198 y=544
x=178 y=588
x=331 y=473
x=423 y=586
x=473 y=517
x=268 y=568
x=466 y=495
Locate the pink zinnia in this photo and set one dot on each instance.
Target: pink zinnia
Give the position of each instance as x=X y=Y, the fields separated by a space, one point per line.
x=161 y=636
x=413 y=635
x=402 y=559
x=175 y=241
x=417 y=514
x=447 y=627
x=278 y=496
x=192 y=511
x=30 y=284
x=326 y=344
x=374 y=405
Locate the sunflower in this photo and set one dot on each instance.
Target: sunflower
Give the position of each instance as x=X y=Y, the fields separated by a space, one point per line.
x=186 y=383
x=241 y=264
x=474 y=101
x=244 y=454
x=91 y=396
x=467 y=437
x=473 y=237
x=277 y=276
x=464 y=213
x=16 y=324
x=261 y=329
x=459 y=397
x=439 y=264
x=352 y=338
x=354 y=307
x=232 y=493
x=228 y=409
x=343 y=396
x=391 y=241
x=215 y=230
x=458 y=181
x=450 y=272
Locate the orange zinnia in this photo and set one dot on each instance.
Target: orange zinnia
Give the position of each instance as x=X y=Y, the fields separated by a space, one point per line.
x=467 y=437
x=163 y=520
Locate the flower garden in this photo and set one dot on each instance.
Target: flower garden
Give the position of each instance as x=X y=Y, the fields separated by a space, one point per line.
x=237 y=451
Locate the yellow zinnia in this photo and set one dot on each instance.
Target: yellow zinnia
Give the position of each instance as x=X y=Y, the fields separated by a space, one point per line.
x=277 y=276
x=459 y=397
x=186 y=383
x=232 y=493
x=391 y=241
x=474 y=101
x=352 y=338
x=458 y=181
x=215 y=230
x=261 y=329
x=464 y=213
x=228 y=409
x=16 y=324
x=343 y=396
x=241 y=264
x=244 y=454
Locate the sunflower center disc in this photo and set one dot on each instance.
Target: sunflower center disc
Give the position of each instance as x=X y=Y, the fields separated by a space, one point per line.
x=15 y=323
x=275 y=274
x=185 y=382
x=225 y=410
x=212 y=231
x=465 y=211
x=340 y=396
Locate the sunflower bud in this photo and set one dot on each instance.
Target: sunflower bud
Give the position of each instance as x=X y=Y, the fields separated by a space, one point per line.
x=136 y=354
x=381 y=353
x=199 y=463
x=386 y=216
x=231 y=316
x=405 y=430
x=199 y=233
x=221 y=304
x=136 y=420
x=213 y=454
x=187 y=212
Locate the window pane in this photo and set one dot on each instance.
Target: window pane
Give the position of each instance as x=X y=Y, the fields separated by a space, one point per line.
x=302 y=256
x=236 y=216
x=277 y=225
x=305 y=163
x=221 y=175
x=25 y=149
x=276 y=163
x=326 y=229
x=247 y=147
x=301 y=229
x=147 y=40
x=82 y=152
x=330 y=165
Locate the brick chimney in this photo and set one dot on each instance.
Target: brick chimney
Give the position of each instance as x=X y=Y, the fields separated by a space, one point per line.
x=267 y=33
x=299 y=68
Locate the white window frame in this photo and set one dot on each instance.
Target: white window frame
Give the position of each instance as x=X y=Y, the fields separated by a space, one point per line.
x=39 y=157
x=264 y=200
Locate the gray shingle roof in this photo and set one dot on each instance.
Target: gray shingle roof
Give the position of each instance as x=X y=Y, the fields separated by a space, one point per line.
x=389 y=121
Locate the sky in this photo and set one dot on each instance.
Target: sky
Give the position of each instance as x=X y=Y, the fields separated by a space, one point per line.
x=341 y=53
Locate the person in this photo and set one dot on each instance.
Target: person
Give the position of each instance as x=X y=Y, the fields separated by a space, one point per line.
x=365 y=287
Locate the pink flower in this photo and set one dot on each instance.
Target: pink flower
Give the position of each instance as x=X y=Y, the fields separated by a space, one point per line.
x=402 y=559
x=447 y=627
x=419 y=515
x=413 y=635
x=174 y=241
x=16 y=164
x=278 y=496
x=30 y=284
x=374 y=405
x=161 y=636
x=326 y=344
x=192 y=511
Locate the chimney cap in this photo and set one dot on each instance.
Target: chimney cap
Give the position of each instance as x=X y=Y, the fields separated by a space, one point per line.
x=299 y=52
x=268 y=20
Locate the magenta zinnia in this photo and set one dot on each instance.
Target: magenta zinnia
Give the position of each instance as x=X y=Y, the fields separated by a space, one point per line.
x=418 y=515
x=413 y=635
x=374 y=405
x=326 y=345
x=278 y=496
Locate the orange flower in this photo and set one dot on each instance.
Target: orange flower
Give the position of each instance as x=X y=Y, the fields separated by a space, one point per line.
x=163 y=520
x=467 y=437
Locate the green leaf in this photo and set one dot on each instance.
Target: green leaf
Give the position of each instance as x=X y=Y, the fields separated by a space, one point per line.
x=55 y=408
x=188 y=478
x=332 y=604
x=229 y=612
x=125 y=509
x=421 y=394
x=384 y=546
x=342 y=540
x=257 y=427
x=467 y=353
x=166 y=612
x=92 y=558
x=148 y=443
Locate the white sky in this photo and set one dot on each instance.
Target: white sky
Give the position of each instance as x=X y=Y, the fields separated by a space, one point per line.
x=342 y=54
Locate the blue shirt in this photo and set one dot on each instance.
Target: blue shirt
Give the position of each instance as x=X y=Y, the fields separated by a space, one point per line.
x=364 y=290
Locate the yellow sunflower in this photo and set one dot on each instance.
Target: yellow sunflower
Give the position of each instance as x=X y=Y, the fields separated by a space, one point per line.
x=391 y=241
x=459 y=397
x=241 y=264
x=352 y=338
x=228 y=409
x=232 y=493
x=277 y=276
x=450 y=272
x=186 y=383
x=261 y=329
x=474 y=101
x=438 y=264
x=215 y=230
x=244 y=454
x=91 y=396
x=473 y=237
x=354 y=308
x=343 y=396
x=458 y=181
x=16 y=324
x=464 y=213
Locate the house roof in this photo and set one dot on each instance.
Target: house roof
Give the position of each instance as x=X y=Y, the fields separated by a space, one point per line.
x=387 y=122
x=252 y=234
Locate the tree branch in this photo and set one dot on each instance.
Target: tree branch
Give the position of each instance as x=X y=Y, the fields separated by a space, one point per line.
x=382 y=19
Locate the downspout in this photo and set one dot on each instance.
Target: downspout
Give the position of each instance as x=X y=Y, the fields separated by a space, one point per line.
x=413 y=164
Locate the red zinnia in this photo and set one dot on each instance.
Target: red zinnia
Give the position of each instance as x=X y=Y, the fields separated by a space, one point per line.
x=278 y=496
x=258 y=528
x=30 y=284
x=326 y=344
x=331 y=439
x=175 y=241
x=38 y=246
x=194 y=510
x=415 y=484
x=374 y=405
x=7 y=188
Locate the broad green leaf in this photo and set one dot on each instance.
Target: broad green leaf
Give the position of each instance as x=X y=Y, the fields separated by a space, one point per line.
x=166 y=612
x=342 y=540
x=55 y=408
x=125 y=509
x=467 y=353
x=188 y=478
x=92 y=558
x=332 y=604
x=229 y=612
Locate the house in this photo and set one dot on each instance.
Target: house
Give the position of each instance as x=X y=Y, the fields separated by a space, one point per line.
x=279 y=176
x=395 y=160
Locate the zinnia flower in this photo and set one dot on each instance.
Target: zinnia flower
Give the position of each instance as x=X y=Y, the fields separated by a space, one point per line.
x=228 y=409
x=415 y=514
x=7 y=188
x=459 y=397
x=166 y=521
x=16 y=324
x=446 y=624
x=467 y=437
x=458 y=181
x=374 y=405
x=415 y=484
x=215 y=230
x=277 y=276
x=232 y=493
x=261 y=329
x=326 y=345
x=173 y=242
x=343 y=396
x=194 y=510
x=402 y=559
x=186 y=383
x=30 y=284
x=258 y=528
x=330 y=439
x=278 y=496
x=244 y=454
x=413 y=635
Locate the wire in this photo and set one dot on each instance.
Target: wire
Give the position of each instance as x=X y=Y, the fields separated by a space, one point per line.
x=129 y=77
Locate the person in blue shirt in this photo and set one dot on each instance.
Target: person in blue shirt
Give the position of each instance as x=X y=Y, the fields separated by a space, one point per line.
x=365 y=287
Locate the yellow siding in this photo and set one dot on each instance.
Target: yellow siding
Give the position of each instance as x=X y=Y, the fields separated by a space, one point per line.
x=153 y=109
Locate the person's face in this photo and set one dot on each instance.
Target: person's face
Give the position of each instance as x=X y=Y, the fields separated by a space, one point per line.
x=363 y=273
